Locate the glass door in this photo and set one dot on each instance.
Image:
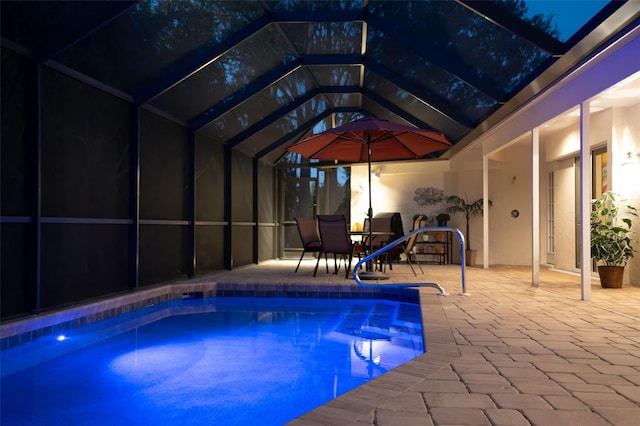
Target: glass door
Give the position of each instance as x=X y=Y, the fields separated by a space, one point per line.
x=599 y=185
x=599 y=180
x=600 y=170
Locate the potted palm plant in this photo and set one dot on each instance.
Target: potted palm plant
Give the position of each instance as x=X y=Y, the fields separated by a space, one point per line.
x=610 y=237
x=469 y=210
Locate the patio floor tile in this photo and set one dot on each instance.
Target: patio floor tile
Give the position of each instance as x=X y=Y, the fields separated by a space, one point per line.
x=509 y=353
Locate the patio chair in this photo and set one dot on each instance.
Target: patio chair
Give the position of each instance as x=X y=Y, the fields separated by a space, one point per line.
x=378 y=224
x=395 y=226
x=335 y=240
x=311 y=243
x=408 y=247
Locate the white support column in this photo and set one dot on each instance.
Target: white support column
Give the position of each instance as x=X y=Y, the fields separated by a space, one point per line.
x=485 y=208
x=585 y=202
x=535 y=207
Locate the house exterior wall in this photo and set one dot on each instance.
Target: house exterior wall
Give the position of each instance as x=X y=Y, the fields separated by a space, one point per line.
x=616 y=130
x=510 y=183
x=510 y=239
x=626 y=174
x=395 y=190
x=561 y=149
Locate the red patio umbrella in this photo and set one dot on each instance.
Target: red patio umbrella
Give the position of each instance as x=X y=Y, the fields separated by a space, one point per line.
x=371 y=139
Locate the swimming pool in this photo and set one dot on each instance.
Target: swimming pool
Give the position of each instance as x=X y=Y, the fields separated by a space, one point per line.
x=208 y=361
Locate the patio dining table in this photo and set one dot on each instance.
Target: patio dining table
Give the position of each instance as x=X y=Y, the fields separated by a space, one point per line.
x=358 y=236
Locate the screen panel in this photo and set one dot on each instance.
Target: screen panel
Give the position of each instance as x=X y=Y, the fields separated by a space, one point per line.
x=85 y=150
x=209 y=248
x=163 y=168
x=163 y=253
x=83 y=261
x=17 y=283
x=227 y=75
x=241 y=188
x=152 y=36
x=209 y=179
x=242 y=245
x=18 y=100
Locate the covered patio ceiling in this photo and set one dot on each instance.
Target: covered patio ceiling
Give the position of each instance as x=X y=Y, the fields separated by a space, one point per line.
x=259 y=75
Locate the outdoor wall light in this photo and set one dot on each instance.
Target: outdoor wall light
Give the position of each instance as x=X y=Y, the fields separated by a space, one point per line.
x=376 y=173
x=632 y=159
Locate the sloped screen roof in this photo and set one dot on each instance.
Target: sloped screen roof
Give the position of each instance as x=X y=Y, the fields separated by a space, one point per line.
x=259 y=75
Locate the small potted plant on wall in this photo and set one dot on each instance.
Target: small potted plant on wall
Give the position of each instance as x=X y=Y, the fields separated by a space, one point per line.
x=442 y=219
x=610 y=237
x=469 y=210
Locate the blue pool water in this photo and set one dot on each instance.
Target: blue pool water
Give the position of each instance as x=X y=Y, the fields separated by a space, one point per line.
x=218 y=361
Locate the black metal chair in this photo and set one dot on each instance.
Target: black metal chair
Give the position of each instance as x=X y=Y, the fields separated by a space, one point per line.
x=378 y=224
x=395 y=226
x=311 y=242
x=335 y=240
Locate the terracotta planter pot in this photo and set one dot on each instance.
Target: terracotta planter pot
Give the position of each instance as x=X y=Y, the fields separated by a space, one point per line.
x=470 y=257
x=611 y=276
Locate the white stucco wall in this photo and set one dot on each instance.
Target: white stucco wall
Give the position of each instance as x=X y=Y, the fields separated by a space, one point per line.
x=510 y=189
x=510 y=183
x=626 y=174
x=566 y=143
x=619 y=131
x=395 y=190
x=465 y=181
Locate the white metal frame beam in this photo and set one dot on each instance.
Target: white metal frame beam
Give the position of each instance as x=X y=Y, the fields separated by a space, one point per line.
x=535 y=206
x=585 y=201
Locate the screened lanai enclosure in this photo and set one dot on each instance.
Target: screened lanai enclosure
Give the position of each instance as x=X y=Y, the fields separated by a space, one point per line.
x=145 y=141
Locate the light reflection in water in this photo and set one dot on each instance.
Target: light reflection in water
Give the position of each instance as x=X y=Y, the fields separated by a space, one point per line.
x=206 y=363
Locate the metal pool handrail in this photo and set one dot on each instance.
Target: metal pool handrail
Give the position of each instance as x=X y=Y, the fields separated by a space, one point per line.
x=394 y=243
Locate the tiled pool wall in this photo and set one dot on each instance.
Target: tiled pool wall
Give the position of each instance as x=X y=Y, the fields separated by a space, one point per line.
x=19 y=331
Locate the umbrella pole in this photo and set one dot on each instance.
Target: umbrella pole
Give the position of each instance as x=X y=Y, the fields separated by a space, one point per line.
x=370 y=211
x=370 y=274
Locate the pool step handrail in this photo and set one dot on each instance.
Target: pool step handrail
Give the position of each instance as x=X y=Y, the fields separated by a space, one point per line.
x=389 y=246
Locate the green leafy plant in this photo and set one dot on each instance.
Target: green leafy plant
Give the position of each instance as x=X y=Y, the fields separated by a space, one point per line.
x=443 y=218
x=611 y=229
x=469 y=210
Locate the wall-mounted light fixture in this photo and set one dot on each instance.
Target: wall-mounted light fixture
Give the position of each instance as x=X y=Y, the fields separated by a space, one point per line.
x=632 y=158
x=376 y=173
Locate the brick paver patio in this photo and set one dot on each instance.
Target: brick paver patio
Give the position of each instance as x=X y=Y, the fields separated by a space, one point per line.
x=507 y=354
